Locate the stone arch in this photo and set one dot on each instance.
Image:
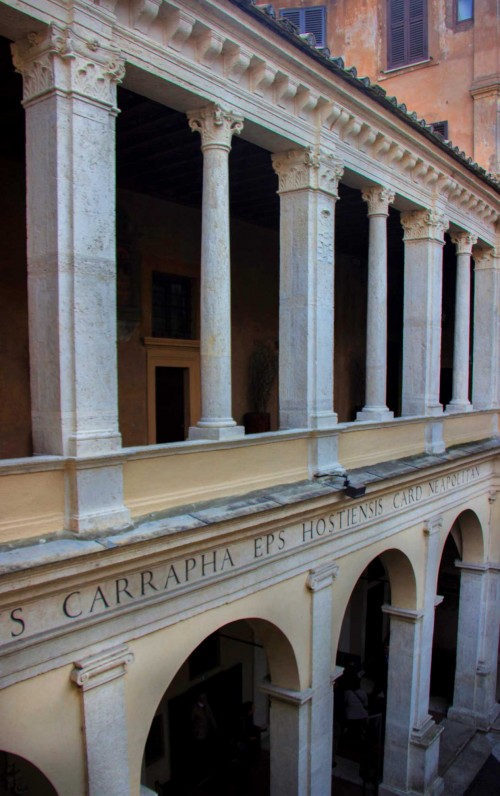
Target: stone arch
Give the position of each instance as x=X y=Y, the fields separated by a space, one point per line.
x=468 y=535
x=22 y=773
x=400 y=571
x=282 y=665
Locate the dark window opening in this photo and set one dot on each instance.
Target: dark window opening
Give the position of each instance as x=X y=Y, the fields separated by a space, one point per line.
x=441 y=128
x=172 y=306
x=407 y=40
x=308 y=20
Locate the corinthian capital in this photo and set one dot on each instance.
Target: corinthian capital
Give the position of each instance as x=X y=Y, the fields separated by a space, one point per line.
x=424 y=225
x=464 y=241
x=313 y=169
x=216 y=126
x=485 y=260
x=64 y=60
x=378 y=200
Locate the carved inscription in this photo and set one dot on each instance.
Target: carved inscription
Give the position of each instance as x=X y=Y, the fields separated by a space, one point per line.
x=167 y=579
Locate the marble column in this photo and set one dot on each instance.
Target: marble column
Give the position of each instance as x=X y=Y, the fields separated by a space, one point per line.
x=411 y=754
x=320 y=583
x=424 y=240
x=216 y=127
x=100 y=678
x=308 y=183
x=69 y=88
x=375 y=408
x=474 y=698
x=486 y=350
x=464 y=242
x=290 y=748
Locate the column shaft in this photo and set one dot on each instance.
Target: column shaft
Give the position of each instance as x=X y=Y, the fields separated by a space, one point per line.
x=320 y=583
x=70 y=102
x=411 y=736
x=290 y=746
x=216 y=127
x=100 y=678
x=486 y=351
x=375 y=407
x=422 y=311
x=308 y=182
x=460 y=395
x=474 y=698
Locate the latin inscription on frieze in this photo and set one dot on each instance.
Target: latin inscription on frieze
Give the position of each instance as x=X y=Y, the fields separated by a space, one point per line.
x=90 y=601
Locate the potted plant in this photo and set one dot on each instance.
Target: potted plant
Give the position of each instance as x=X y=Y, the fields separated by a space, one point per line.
x=262 y=372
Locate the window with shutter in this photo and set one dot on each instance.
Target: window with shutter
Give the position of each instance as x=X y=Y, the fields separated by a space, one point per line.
x=441 y=128
x=407 y=32
x=308 y=20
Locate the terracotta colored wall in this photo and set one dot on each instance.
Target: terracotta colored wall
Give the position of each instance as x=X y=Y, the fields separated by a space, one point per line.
x=461 y=57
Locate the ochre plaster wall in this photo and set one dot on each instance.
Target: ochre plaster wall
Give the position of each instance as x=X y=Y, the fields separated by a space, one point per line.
x=55 y=747
x=462 y=57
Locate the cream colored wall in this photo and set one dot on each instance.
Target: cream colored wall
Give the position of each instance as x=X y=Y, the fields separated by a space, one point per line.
x=32 y=502
x=160 y=480
x=41 y=720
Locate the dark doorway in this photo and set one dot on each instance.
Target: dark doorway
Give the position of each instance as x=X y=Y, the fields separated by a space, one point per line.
x=171 y=390
x=224 y=695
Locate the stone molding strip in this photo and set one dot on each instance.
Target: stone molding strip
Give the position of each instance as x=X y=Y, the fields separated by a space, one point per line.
x=101 y=668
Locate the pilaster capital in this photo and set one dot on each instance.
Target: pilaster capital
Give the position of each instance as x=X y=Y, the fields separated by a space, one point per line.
x=378 y=200
x=433 y=525
x=216 y=126
x=322 y=577
x=424 y=225
x=308 y=169
x=403 y=614
x=63 y=60
x=464 y=241
x=102 y=668
x=485 y=260
x=296 y=698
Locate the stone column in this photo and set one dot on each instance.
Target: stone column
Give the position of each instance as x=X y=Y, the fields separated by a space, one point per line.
x=320 y=583
x=69 y=89
x=290 y=746
x=474 y=698
x=216 y=127
x=464 y=242
x=105 y=722
x=424 y=240
x=486 y=350
x=378 y=200
x=308 y=183
x=411 y=736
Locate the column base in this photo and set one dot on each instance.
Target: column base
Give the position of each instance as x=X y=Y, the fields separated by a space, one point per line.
x=459 y=406
x=481 y=721
x=374 y=414
x=436 y=790
x=216 y=432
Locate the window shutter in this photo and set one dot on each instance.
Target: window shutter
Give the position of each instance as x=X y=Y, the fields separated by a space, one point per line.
x=314 y=22
x=407 y=39
x=308 y=20
x=417 y=38
x=293 y=15
x=397 y=55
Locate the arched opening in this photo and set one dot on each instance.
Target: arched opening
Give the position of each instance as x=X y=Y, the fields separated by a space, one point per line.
x=18 y=775
x=361 y=687
x=211 y=729
x=464 y=542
